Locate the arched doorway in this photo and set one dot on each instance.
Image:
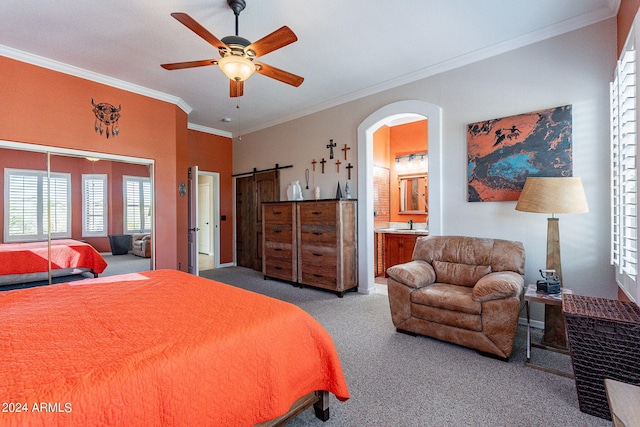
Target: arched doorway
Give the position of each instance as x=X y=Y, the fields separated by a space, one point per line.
x=365 y=179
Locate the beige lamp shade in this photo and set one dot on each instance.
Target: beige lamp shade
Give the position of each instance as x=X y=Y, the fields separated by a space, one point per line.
x=557 y=195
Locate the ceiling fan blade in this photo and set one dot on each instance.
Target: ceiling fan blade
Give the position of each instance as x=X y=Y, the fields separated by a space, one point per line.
x=278 y=74
x=236 y=88
x=190 y=23
x=279 y=38
x=189 y=64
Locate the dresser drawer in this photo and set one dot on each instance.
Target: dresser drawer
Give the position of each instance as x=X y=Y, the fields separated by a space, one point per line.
x=319 y=277
x=320 y=235
x=278 y=233
x=280 y=269
x=278 y=213
x=320 y=213
x=318 y=258
x=278 y=251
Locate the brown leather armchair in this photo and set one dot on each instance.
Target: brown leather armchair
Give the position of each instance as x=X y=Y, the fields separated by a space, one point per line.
x=141 y=245
x=464 y=290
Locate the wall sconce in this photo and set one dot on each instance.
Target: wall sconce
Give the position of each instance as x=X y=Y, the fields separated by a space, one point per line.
x=108 y=115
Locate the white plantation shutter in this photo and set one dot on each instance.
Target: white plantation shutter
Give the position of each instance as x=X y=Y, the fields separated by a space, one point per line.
x=94 y=205
x=137 y=202
x=22 y=190
x=624 y=173
x=27 y=206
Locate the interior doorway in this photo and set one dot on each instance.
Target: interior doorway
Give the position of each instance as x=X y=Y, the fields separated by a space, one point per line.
x=433 y=113
x=204 y=220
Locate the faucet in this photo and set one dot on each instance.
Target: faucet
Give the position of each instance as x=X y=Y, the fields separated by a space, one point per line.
x=410 y=224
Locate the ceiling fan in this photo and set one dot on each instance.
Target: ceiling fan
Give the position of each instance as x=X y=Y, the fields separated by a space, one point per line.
x=237 y=54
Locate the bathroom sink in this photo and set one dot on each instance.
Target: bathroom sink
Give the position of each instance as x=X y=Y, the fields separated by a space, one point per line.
x=402 y=231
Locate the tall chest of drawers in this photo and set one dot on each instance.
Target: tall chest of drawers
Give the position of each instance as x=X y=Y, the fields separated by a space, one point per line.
x=279 y=251
x=324 y=243
x=327 y=244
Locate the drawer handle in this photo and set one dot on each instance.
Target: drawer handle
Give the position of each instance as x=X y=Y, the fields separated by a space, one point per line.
x=316 y=254
x=317 y=233
x=277 y=231
x=277 y=212
x=277 y=249
x=317 y=212
x=318 y=275
x=277 y=268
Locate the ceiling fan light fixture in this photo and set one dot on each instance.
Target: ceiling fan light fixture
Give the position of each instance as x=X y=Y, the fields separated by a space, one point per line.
x=237 y=68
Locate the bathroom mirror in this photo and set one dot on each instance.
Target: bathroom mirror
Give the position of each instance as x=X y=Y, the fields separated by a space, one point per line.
x=413 y=194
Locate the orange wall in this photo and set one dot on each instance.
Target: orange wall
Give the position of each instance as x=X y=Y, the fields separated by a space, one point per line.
x=381 y=142
x=212 y=153
x=49 y=108
x=626 y=13
x=405 y=139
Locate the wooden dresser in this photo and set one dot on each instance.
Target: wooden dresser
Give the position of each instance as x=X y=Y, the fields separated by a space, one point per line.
x=279 y=240
x=323 y=241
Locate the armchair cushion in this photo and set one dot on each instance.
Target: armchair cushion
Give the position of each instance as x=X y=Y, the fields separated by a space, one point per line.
x=459 y=274
x=501 y=284
x=414 y=274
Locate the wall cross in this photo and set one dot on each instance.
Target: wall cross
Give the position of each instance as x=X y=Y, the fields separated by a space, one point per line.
x=330 y=146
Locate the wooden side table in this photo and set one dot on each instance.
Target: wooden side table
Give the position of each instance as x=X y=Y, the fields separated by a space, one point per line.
x=532 y=295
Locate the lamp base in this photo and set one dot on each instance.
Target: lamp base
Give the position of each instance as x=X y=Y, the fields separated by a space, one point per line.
x=555 y=334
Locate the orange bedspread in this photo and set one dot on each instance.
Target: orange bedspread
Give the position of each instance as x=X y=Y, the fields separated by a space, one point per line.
x=23 y=258
x=157 y=348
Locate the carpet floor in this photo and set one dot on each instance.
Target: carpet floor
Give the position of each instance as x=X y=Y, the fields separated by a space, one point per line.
x=399 y=380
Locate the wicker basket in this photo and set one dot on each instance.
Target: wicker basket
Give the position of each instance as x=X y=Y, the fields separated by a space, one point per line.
x=604 y=342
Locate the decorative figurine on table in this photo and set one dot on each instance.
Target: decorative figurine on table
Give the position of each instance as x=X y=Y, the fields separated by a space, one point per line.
x=550 y=283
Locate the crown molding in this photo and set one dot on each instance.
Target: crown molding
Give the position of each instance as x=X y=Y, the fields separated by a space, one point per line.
x=61 y=67
x=212 y=131
x=479 y=55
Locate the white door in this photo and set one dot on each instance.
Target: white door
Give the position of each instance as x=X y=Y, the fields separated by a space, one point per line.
x=193 y=220
x=204 y=219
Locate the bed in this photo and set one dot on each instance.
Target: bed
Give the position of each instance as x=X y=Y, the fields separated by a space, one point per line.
x=27 y=262
x=159 y=348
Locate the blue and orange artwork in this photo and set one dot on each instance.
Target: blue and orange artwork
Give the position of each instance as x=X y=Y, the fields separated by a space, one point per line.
x=502 y=153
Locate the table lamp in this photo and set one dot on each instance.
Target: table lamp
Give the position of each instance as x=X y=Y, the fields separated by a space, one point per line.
x=557 y=195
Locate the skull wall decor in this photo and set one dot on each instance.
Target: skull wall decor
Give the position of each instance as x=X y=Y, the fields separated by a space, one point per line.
x=108 y=115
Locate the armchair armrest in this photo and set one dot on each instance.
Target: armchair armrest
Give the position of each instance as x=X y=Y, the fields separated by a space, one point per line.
x=501 y=284
x=415 y=274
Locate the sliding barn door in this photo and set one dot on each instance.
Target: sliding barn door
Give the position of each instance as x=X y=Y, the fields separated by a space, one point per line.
x=251 y=191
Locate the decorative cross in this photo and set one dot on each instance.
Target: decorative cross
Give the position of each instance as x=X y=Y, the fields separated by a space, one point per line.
x=322 y=162
x=338 y=163
x=349 y=167
x=345 y=149
x=330 y=146
x=313 y=163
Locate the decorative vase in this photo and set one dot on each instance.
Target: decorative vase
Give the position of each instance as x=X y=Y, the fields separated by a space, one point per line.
x=316 y=193
x=338 y=192
x=294 y=191
x=347 y=190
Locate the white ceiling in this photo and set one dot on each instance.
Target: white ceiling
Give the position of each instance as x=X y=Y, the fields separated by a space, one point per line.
x=345 y=49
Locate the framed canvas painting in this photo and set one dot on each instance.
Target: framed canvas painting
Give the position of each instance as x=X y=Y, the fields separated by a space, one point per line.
x=502 y=153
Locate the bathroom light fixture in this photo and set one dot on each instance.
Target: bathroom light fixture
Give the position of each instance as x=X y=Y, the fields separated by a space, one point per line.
x=410 y=162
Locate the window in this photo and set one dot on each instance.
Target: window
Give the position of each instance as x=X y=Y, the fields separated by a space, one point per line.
x=624 y=202
x=137 y=204
x=94 y=205
x=32 y=202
